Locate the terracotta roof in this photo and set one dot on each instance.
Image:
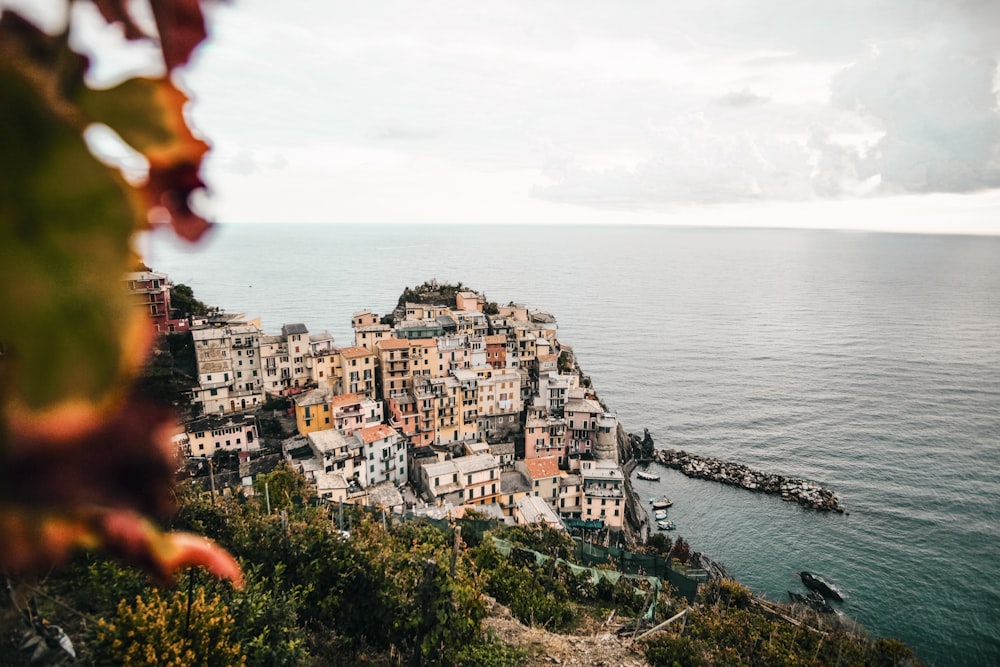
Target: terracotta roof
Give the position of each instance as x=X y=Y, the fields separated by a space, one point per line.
x=393 y=344
x=378 y=432
x=344 y=399
x=351 y=352
x=547 y=466
x=496 y=339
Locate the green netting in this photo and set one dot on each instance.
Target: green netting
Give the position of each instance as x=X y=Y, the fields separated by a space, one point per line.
x=589 y=557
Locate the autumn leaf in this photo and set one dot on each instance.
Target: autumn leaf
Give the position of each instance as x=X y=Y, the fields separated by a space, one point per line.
x=179 y=23
x=81 y=459
x=148 y=115
x=36 y=541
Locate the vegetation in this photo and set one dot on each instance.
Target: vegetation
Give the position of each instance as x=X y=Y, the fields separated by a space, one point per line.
x=727 y=627
x=432 y=292
x=396 y=592
x=183 y=301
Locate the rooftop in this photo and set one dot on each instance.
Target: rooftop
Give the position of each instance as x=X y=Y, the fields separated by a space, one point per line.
x=328 y=441
x=541 y=468
x=476 y=463
x=214 y=422
x=341 y=400
x=353 y=352
x=378 y=432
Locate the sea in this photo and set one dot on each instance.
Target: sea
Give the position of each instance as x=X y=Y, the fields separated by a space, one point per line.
x=867 y=362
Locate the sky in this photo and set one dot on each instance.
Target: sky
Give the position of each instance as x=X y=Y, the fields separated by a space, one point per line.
x=855 y=114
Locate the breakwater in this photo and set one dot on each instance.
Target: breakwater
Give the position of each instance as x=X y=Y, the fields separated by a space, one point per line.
x=806 y=493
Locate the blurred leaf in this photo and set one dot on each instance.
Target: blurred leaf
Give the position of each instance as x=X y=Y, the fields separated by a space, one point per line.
x=180 y=24
x=38 y=540
x=181 y=27
x=70 y=332
x=122 y=459
x=148 y=114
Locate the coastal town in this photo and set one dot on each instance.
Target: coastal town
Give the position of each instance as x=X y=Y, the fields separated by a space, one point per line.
x=436 y=409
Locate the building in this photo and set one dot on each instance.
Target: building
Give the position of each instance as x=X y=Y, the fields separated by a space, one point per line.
x=531 y=511
x=151 y=291
x=543 y=477
x=368 y=330
x=297 y=340
x=469 y=480
x=545 y=435
x=355 y=371
x=395 y=377
x=603 y=493
x=319 y=409
x=583 y=416
x=233 y=433
x=229 y=368
x=384 y=453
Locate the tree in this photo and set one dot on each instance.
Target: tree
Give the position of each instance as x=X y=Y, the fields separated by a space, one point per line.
x=282 y=485
x=183 y=301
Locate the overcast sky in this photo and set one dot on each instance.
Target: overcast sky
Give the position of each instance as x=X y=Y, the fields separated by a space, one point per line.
x=875 y=114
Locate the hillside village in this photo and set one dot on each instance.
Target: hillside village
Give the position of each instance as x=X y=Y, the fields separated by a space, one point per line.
x=435 y=408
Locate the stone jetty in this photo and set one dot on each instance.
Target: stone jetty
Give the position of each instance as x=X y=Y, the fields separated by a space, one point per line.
x=808 y=494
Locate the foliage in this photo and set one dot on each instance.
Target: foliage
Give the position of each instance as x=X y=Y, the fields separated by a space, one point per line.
x=659 y=544
x=534 y=596
x=73 y=341
x=565 y=362
x=432 y=292
x=681 y=551
x=282 y=485
x=168 y=629
x=541 y=538
x=182 y=299
x=490 y=654
x=267 y=614
x=728 y=628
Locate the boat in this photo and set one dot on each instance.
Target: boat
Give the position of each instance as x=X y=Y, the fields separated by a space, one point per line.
x=666 y=525
x=660 y=514
x=814 y=583
x=661 y=503
x=648 y=476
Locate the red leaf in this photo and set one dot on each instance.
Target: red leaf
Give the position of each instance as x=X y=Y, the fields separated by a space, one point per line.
x=180 y=24
x=169 y=189
x=115 y=11
x=182 y=28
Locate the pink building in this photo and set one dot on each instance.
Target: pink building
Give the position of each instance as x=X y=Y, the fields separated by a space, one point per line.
x=151 y=290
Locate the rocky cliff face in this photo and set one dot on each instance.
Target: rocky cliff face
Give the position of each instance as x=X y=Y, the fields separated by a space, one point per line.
x=635 y=518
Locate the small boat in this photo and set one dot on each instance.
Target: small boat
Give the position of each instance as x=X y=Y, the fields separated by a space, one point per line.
x=661 y=503
x=648 y=476
x=666 y=525
x=660 y=514
x=816 y=584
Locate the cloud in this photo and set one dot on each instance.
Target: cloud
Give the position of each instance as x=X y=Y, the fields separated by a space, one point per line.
x=935 y=101
x=742 y=98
